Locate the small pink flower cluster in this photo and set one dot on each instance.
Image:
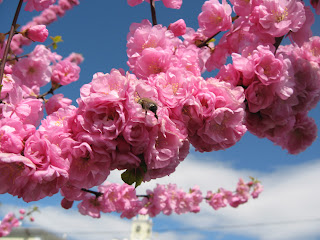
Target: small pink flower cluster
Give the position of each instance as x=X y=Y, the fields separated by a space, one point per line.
x=42 y=169
x=167 y=199
x=281 y=90
x=224 y=197
x=119 y=198
x=34 y=30
x=10 y=221
x=38 y=5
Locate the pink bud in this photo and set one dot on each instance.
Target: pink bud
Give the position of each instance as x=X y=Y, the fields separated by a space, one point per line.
x=178 y=28
x=37 y=33
x=22 y=211
x=32 y=219
x=66 y=204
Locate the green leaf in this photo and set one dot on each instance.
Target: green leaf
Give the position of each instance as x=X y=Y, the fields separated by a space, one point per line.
x=211 y=40
x=128 y=177
x=56 y=39
x=131 y=176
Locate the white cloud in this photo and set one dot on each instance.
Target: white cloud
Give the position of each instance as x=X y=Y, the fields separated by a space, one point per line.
x=287 y=209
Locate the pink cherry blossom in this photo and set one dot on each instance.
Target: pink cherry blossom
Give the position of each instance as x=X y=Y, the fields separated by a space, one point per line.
x=55 y=102
x=35 y=69
x=26 y=110
x=8 y=84
x=13 y=135
x=89 y=167
x=16 y=171
x=38 y=5
x=257 y=189
x=300 y=136
x=51 y=172
x=278 y=17
x=90 y=205
x=133 y=3
x=152 y=61
x=241 y=7
x=216 y=200
x=65 y=72
x=229 y=74
x=76 y=58
x=215 y=17
x=259 y=96
x=311 y=49
x=37 y=33
x=120 y=198
x=66 y=204
x=178 y=27
x=305 y=32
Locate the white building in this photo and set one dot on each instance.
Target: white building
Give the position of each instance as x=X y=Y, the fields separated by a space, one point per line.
x=141 y=228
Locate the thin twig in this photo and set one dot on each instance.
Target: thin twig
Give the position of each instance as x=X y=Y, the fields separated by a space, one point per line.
x=277 y=43
x=51 y=91
x=11 y=33
x=153 y=12
x=206 y=41
x=98 y=194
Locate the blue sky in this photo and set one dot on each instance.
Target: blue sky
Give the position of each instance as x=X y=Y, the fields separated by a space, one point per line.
x=288 y=208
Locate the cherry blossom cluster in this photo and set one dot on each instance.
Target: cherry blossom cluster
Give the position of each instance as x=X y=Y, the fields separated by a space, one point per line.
x=144 y=121
x=10 y=221
x=166 y=199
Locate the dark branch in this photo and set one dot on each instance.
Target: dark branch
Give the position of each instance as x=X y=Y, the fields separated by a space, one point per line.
x=98 y=194
x=11 y=33
x=153 y=12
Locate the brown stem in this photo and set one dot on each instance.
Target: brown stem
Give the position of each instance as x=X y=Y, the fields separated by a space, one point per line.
x=147 y=196
x=206 y=41
x=153 y=12
x=277 y=43
x=11 y=33
x=51 y=91
x=98 y=194
x=202 y=44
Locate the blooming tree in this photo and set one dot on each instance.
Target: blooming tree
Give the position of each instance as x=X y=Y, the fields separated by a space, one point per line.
x=143 y=121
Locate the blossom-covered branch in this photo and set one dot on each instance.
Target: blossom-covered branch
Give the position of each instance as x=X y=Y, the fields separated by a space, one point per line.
x=167 y=199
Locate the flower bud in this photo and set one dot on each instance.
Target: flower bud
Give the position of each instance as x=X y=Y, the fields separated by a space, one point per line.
x=37 y=33
x=178 y=28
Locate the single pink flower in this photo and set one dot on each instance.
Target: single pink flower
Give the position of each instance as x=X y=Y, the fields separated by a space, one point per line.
x=257 y=189
x=215 y=17
x=55 y=102
x=65 y=72
x=278 y=17
x=16 y=170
